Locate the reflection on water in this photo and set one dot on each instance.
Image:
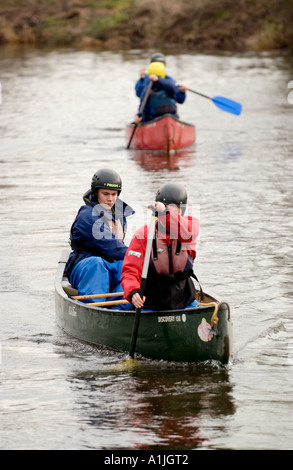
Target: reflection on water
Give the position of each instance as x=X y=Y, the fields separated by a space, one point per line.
x=157 y=407
x=230 y=151
x=63 y=115
x=153 y=161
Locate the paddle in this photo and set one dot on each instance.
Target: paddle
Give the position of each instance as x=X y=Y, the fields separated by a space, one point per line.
x=143 y=283
x=109 y=303
x=141 y=110
x=225 y=104
x=94 y=296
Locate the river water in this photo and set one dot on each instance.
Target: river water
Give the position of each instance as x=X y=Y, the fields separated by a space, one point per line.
x=62 y=117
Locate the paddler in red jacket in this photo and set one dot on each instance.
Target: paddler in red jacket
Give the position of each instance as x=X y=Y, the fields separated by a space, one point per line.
x=169 y=285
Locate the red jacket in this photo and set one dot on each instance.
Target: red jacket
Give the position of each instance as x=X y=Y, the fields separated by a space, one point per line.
x=170 y=229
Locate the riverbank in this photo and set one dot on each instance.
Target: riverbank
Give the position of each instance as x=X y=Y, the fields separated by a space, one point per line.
x=247 y=25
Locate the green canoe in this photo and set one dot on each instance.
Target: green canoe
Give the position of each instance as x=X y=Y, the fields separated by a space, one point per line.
x=190 y=335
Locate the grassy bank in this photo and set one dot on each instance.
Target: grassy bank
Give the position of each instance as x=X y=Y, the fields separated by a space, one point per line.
x=243 y=25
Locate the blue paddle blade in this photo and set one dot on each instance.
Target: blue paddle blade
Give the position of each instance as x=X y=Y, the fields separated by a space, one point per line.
x=227 y=105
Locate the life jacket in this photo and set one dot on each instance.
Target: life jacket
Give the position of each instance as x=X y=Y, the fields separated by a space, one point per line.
x=169 y=255
x=169 y=285
x=161 y=103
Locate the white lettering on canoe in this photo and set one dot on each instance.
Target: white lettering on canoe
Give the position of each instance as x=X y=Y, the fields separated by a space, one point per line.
x=72 y=311
x=169 y=319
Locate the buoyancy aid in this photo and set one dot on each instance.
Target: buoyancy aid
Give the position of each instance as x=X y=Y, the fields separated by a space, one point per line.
x=161 y=103
x=169 y=285
x=169 y=254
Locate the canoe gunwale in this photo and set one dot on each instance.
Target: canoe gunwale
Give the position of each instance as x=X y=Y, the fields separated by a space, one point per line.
x=160 y=118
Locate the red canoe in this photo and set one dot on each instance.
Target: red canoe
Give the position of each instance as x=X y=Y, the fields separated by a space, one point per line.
x=165 y=133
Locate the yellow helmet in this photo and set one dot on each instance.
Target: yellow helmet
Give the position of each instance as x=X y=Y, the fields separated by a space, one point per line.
x=157 y=68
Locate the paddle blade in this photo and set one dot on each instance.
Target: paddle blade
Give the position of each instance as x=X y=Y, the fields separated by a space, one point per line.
x=127 y=365
x=227 y=105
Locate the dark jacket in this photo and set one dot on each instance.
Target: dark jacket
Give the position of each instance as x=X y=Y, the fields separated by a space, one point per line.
x=90 y=234
x=162 y=99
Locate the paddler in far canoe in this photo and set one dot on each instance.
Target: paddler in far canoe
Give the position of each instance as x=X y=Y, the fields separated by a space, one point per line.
x=160 y=95
x=169 y=284
x=143 y=81
x=225 y=104
x=97 y=237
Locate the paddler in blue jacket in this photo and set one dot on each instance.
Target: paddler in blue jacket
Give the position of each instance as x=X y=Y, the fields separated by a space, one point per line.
x=96 y=237
x=143 y=81
x=163 y=96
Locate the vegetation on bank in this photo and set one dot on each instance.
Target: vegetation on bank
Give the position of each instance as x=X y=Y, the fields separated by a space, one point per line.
x=125 y=24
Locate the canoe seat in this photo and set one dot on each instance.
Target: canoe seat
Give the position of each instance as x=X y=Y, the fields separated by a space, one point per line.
x=67 y=287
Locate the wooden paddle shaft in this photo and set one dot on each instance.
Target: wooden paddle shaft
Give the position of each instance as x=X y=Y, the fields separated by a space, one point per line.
x=109 y=302
x=94 y=296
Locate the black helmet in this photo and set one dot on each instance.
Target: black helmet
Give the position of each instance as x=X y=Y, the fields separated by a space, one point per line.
x=158 y=57
x=172 y=193
x=107 y=179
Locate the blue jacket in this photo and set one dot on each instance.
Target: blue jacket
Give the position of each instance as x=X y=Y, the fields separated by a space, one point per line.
x=163 y=97
x=143 y=82
x=90 y=234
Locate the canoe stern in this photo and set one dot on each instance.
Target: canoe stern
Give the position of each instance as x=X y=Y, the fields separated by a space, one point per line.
x=165 y=133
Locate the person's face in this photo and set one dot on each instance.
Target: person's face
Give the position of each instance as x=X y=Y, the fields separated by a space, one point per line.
x=107 y=197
